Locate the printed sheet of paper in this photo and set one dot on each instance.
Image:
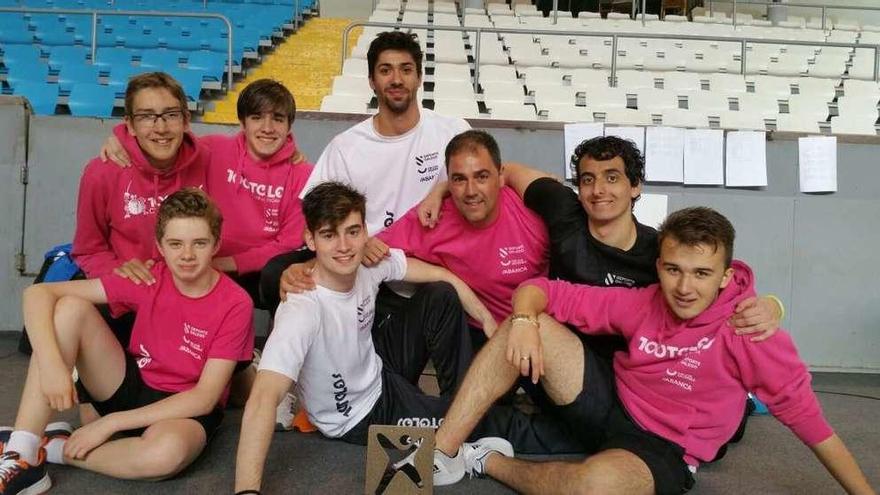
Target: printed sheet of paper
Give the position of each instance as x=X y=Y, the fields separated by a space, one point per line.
x=575 y=134
x=651 y=209
x=746 y=159
x=634 y=134
x=817 y=163
x=664 y=154
x=704 y=156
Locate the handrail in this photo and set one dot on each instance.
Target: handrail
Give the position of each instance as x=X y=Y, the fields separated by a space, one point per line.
x=152 y=13
x=824 y=8
x=614 y=42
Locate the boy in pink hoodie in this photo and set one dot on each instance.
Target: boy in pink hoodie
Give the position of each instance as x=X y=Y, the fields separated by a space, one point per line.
x=674 y=396
x=116 y=207
x=255 y=176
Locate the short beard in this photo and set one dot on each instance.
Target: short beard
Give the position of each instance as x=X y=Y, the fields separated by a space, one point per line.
x=398 y=108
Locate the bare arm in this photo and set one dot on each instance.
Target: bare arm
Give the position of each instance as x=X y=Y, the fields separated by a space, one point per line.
x=429 y=208
x=840 y=463
x=257 y=425
x=197 y=401
x=759 y=316
x=420 y=272
x=524 y=348
x=38 y=307
x=519 y=176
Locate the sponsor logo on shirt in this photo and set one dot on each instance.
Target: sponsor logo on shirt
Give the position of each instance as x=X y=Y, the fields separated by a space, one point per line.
x=680 y=379
x=192 y=341
x=145 y=358
x=668 y=351
x=365 y=312
x=512 y=259
x=340 y=394
x=420 y=422
x=134 y=205
x=427 y=166
x=268 y=194
x=612 y=279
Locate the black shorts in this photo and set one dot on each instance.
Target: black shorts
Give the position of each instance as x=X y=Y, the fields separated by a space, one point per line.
x=401 y=404
x=602 y=423
x=134 y=393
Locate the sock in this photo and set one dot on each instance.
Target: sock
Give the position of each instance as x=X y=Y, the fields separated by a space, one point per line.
x=55 y=450
x=26 y=444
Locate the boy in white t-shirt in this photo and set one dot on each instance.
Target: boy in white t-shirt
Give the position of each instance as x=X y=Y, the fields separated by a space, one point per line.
x=322 y=339
x=163 y=396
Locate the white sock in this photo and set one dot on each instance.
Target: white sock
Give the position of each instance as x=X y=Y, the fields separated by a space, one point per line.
x=25 y=443
x=55 y=450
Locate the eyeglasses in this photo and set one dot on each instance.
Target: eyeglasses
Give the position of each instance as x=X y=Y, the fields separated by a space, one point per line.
x=150 y=119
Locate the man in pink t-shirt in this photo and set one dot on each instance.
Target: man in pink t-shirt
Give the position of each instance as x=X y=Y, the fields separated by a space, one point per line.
x=674 y=396
x=162 y=395
x=487 y=236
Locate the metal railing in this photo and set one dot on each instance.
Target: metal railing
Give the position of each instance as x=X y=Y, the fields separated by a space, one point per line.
x=95 y=13
x=823 y=8
x=614 y=42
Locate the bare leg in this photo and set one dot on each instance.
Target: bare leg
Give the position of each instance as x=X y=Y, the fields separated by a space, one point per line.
x=84 y=340
x=613 y=471
x=164 y=449
x=490 y=376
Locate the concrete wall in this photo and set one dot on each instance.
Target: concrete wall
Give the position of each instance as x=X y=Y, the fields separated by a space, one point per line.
x=349 y=9
x=814 y=251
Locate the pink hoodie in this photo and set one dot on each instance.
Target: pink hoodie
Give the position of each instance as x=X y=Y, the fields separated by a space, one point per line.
x=116 y=208
x=259 y=199
x=687 y=380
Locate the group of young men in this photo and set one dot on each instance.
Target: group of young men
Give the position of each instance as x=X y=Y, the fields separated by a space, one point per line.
x=638 y=348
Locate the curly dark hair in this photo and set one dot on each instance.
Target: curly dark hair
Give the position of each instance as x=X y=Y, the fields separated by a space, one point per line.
x=606 y=148
x=394 y=40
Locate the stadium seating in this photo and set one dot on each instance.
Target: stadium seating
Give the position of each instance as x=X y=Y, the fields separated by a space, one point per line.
x=691 y=83
x=191 y=48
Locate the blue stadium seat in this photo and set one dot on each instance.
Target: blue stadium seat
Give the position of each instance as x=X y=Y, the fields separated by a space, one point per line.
x=91 y=100
x=191 y=80
x=113 y=57
x=60 y=56
x=26 y=71
x=16 y=34
x=160 y=59
x=212 y=64
x=16 y=53
x=57 y=36
x=77 y=73
x=42 y=96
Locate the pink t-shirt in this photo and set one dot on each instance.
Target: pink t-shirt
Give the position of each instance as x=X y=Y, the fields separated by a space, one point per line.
x=492 y=260
x=174 y=335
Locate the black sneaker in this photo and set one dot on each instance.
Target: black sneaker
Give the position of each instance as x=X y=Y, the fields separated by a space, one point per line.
x=18 y=477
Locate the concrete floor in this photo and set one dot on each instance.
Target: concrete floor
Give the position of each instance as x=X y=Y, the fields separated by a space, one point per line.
x=769 y=460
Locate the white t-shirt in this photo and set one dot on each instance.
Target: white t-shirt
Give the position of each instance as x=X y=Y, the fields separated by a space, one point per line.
x=322 y=340
x=394 y=173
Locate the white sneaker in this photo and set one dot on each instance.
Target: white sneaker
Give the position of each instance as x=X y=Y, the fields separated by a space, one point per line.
x=448 y=470
x=476 y=453
x=286 y=412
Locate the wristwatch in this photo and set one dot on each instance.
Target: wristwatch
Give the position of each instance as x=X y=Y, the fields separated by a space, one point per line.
x=517 y=317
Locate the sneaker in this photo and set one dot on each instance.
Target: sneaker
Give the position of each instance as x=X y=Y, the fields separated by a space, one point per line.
x=448 y=470
x=18 y=477
x=476 y=453
x=285 y=413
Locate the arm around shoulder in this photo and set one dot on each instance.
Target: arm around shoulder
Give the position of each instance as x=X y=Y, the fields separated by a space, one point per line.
x=520 y=176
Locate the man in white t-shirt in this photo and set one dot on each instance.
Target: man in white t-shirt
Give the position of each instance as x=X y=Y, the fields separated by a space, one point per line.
x=394 y=158
x=322 y=340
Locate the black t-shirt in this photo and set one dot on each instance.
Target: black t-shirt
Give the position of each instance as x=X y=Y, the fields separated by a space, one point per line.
x=575 y=255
